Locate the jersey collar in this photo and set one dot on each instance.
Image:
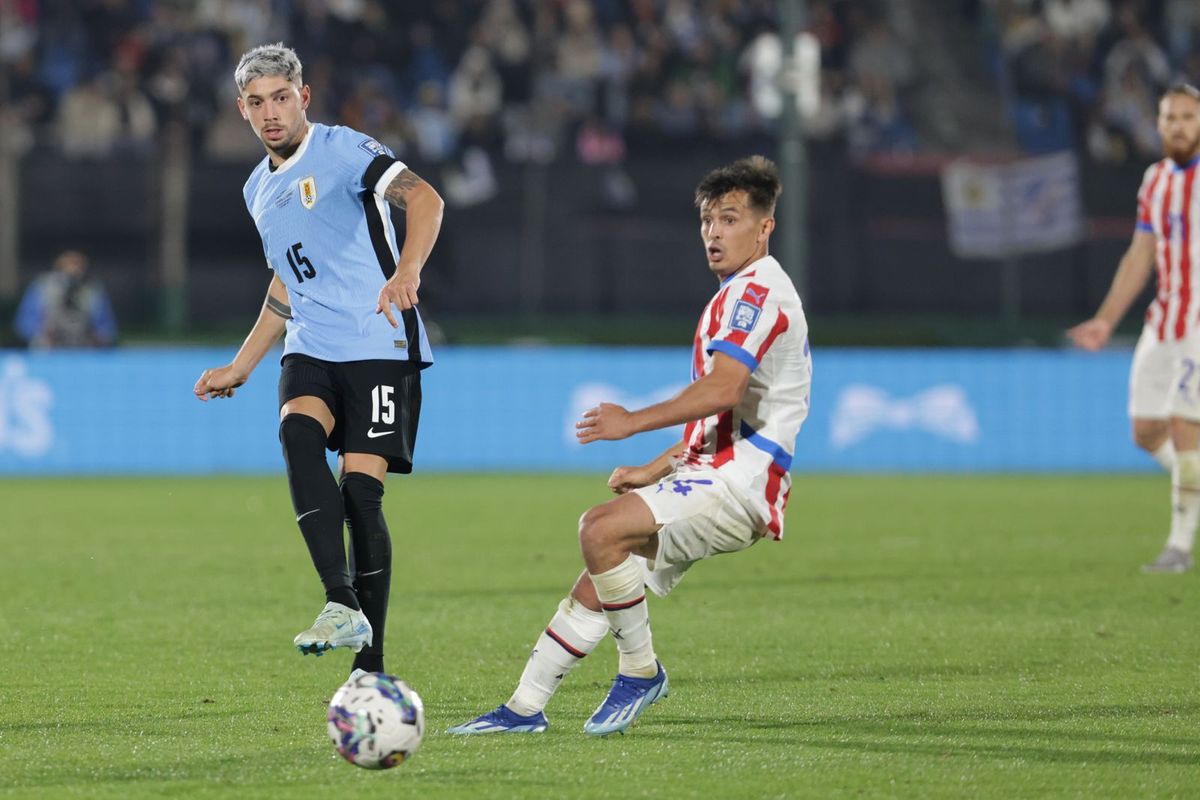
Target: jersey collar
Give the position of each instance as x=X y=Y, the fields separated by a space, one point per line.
x=744 y=270
x=1186 y=166
x=294 y=157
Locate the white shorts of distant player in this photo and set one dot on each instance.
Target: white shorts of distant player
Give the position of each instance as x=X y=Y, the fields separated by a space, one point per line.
x=701 y=516
x=1164 y=380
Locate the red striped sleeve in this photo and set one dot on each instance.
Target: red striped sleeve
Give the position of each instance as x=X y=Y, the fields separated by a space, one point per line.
x=1146 y=196
x=781 y=325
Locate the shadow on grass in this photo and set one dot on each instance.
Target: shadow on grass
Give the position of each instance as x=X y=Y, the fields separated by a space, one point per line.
x=971 y=732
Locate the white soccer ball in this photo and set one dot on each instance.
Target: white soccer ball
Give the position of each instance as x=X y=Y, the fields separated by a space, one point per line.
x=376 y=721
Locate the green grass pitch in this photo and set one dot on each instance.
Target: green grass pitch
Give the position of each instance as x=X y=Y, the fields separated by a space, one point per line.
x=912 y=637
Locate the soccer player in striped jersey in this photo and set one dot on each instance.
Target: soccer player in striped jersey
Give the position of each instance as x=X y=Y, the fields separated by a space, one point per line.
x=346 y=298
x=719 y=490
x=1164 y=382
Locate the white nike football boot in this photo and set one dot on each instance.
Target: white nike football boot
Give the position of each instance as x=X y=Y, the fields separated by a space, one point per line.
x=336 y=626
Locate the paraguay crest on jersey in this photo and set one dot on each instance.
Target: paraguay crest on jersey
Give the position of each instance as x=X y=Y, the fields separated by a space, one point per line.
x=308 y=191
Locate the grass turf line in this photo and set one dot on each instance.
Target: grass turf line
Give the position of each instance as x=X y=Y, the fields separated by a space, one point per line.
x=923 y=636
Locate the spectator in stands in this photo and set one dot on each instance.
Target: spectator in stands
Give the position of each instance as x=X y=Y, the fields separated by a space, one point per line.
x=878 y=124
x=1181 y=23
x=1041 y=107
x=1136 y=54
x=475 y=87
x=433 y=130
x=105 y=113
x=66 y=308
x=1129 y=116
x=88 y=120
x=1077 y=21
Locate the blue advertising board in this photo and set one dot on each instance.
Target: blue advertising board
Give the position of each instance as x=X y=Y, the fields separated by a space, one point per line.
x=131 y=411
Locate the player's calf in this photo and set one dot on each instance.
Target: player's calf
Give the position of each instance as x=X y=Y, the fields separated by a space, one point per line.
x=318 y=504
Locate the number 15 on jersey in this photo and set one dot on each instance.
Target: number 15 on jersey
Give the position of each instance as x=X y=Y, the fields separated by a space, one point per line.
x=296 y=260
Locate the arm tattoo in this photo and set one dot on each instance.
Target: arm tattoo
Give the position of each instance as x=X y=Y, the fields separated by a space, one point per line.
x=279 y=308
x=400 y=187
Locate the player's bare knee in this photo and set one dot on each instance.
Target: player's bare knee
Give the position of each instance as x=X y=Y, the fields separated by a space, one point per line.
x=1150 y=435
x=592 y=529
x=599 y=530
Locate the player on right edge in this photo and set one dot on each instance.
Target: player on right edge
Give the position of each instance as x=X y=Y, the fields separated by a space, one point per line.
x=719 y=490
x=1164 y=382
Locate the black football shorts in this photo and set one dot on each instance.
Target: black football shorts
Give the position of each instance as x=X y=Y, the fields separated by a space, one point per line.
x=376 y=404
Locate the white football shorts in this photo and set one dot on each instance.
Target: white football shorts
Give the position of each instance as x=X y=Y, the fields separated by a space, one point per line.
x=700 y=517
x=1164 y=380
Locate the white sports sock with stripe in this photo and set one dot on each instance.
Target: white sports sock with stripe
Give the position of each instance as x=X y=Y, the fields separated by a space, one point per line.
x=573 y=632
x=622 y=595
x=1185 y=500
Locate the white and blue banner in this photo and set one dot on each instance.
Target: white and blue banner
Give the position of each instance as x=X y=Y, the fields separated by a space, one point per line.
x=1030 y=205
x=511 y=408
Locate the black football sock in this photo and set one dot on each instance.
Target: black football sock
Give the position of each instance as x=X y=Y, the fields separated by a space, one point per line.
x=318 y=504
x=371 y=559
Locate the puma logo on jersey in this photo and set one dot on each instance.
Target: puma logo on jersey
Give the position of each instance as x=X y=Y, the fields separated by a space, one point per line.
x=755 y=297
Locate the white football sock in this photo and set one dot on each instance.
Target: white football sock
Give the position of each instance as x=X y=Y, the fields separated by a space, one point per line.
x=622 y=595
x=1185 y=500
x=573 y=632
x=1165 y=455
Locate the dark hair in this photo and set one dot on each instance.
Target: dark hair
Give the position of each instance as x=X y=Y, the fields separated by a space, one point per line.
x=756 y=175
x=1185 y=89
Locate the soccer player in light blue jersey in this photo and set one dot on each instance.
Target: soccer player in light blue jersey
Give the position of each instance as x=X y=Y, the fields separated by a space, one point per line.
x=346 y=297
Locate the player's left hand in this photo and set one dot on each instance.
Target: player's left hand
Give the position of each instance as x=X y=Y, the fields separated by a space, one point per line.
x=626 y=479
x=607 y=421
x=400 y=291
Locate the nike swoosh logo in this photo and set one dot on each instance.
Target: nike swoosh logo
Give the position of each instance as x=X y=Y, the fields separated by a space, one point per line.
x=373 y=434
x=306 y=513
x=339 y=627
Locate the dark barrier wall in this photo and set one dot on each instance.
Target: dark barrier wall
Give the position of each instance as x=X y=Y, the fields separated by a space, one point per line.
x=553 y=240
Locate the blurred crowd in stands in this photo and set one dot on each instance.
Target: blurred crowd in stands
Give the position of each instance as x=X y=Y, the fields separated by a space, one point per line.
x=464 y=82
x=1088 y=73
x=450 y=80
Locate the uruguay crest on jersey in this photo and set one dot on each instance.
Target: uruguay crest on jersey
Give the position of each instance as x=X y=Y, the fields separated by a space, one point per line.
x=308 y=192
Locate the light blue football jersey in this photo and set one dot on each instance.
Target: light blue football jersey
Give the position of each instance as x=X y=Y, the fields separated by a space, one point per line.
x=330 y=239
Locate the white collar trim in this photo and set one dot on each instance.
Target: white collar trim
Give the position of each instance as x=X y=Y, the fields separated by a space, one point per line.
x=296 y=156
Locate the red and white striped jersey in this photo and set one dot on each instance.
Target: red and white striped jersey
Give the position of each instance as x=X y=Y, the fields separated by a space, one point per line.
x=1169 y=207
x=756 y=317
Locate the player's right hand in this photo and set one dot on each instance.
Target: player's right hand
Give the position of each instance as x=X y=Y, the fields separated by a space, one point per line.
x=1092 y=334
x=218 y=382
x=400 y=291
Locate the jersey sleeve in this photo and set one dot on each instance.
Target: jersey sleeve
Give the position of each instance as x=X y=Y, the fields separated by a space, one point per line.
x=750 y=324
x=365 y=160
x=1145 y=194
